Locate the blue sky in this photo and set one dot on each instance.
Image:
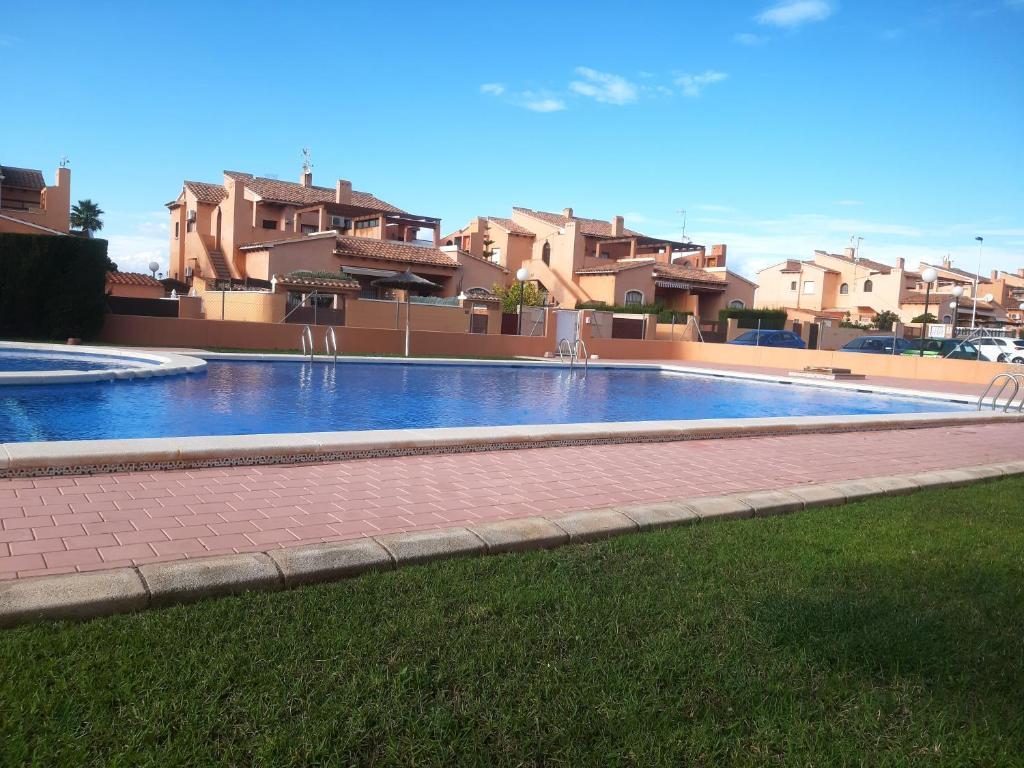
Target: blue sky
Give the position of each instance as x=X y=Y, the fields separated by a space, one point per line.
x=779 y=128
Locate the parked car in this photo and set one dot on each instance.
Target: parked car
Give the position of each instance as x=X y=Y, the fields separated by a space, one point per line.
x=1017 y=356
x=995 y=349
x=951 y=348
x=786 y=339
x=877 y=345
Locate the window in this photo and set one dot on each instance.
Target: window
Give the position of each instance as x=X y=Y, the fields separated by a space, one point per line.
x=868 y=286
x=269 y=224
x=308 y=229
x=792 y=286
x=736 y=304
x=605 y=255
x=855 y=344
x=634 y=297
x=496 y=255
x=947 y=319
x=844 y=289
x=367 y=223
x=808 y=287
x=177 y=225
x=190 y=225
x=545 y=253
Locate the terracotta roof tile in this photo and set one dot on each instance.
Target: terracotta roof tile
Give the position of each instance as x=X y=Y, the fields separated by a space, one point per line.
x=592 y=227
x=943 y=299
x=960 y=273
x=877 y=266
x=676 y=272
x=300 y=281
x=510 y=226
x=22 y=178
x=296 y=194
x=614 y=267
x=393 y=250
x=132 y=278
x=206 y=193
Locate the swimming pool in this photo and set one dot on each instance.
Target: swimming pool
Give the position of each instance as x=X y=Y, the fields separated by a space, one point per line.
x=19 y=360
x=246 y=398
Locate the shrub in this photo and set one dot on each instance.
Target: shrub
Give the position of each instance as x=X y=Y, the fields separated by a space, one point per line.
x=664 y=315
x=771 y=319
x=52 y=287
x=510 y=296
x=860 y=326
x=884 y=321
x=927 y=317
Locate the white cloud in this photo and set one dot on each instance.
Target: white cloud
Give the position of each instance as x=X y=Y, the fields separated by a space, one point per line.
x=603 y=86
x=136 y=238
x=747 y=38
x=539 y=102
x=795 y=13
x=693 y=85
x=495 y=89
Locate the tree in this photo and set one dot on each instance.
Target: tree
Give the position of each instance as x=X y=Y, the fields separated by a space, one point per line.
x=510 y=297
x=884 y=321
x=927 y=317
x=85 y=215
x=488 y=252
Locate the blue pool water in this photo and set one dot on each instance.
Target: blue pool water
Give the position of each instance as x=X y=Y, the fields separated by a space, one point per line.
x=241 y=398
x=20 y=360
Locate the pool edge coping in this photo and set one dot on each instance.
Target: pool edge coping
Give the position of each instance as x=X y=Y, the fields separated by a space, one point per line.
x=87 y=595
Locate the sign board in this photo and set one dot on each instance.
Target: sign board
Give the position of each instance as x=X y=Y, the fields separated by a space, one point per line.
x=936 y=331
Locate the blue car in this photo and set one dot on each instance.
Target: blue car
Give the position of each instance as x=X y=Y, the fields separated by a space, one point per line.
x=786 y=339
x=875 y=345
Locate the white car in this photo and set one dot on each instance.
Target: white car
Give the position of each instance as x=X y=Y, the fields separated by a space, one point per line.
x=999 y=350
x=1017 y=355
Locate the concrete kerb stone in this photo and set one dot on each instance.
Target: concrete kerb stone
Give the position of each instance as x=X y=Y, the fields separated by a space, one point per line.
x=71 y=596
x=520 y=535
x=594 y=525
x=944 y=478
x=818 y=495
x=184 y=581
x=330 y=562
x=856 y=490
x=720 y=508
x=664 y=514
x=767 y=503
x=895 y=485
x=415 y=547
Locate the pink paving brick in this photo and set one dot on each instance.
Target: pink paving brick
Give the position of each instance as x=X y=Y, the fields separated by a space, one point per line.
x=173 y=517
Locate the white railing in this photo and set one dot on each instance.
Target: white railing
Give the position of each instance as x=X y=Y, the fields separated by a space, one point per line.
x=331 y=343
x=307 y=342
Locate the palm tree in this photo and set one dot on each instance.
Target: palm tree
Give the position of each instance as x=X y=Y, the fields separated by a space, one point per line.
x=86 y=217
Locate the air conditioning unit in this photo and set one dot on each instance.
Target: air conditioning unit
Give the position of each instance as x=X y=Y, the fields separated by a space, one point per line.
x=191 y=215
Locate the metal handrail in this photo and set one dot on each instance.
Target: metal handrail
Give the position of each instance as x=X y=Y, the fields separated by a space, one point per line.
x=307 y=342
x=569 y=350
x=1011 y=378
x=331 y=343
x=586 y=355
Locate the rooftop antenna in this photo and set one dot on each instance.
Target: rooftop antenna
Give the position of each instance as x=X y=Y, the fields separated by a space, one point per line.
x=307 y=160
x=64 y=162
x=682 y=212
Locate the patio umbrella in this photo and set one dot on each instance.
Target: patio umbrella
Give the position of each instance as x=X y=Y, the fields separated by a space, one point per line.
x=407 y=282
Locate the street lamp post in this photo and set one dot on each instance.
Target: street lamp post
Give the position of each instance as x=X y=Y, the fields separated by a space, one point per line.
x=928 y=277
x=955 y=305
x=977 y=276
x=521 y=275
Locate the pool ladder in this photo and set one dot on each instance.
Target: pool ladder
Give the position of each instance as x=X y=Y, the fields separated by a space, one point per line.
x=572 y=351
x=330 y=343
x=1016 y=379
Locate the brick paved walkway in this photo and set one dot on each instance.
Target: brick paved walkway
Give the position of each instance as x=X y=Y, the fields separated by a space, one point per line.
x=57 y=525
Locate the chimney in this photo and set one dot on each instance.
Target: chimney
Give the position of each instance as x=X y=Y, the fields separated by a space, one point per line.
x=900 y=263
x=342 y=191
x=718 y=253
x=995 y=275
x=567 y=212
x=617 y=226
x=946 y=262
x=850 y=252
x=306 y=179
x=1020 y=272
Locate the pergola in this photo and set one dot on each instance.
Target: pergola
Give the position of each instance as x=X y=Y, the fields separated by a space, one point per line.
x=642 y=245
x=404 y=222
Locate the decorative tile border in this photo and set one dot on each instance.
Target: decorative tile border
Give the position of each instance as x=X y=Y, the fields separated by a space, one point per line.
x=123 y=590
x=163 y=364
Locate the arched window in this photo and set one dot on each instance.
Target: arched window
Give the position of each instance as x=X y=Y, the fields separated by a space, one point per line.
x=545 y=253
x=736 y=304
x=947 y=319
x=844 y=289
x=868 y=286
x=634 y=297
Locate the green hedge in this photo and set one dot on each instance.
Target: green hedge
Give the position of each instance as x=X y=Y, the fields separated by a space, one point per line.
x=771 y=319
x=664 y=315
x=52 y=287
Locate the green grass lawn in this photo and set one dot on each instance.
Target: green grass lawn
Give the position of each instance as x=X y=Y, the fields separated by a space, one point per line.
x=889 y=632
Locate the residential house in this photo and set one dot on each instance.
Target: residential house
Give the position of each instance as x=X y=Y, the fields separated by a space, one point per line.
x=577 y=260
x=251 y=229
x=29 y=206
x=967 y=310
x=836 y=287
x=134 y=285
